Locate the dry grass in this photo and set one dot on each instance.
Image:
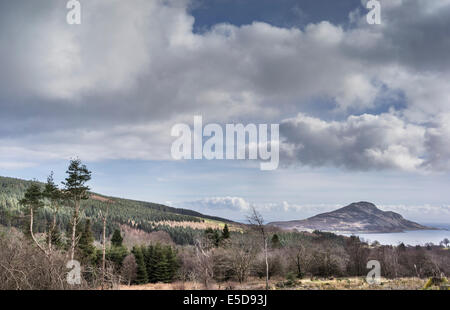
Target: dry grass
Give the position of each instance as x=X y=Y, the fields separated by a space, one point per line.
x=304 y=284
x=251 y=285
x=100 y=198
x=358 y=284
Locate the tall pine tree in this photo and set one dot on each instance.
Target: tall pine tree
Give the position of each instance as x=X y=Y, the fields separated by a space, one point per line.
x=33 y=201
x=141 y=275
x=75 y=191
x=54 y=196
x=173 y=264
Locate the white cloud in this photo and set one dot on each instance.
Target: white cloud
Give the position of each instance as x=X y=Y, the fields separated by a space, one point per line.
x=359 y=142
x=238 y=208
x=217 y=203
x=421 y=213
x=113 y=87
x=11 y=165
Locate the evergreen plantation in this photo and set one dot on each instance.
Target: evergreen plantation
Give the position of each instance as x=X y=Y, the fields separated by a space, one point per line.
x=137 y=214
x=155 y=263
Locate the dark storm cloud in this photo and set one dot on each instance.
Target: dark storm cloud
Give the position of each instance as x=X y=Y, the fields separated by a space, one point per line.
x=413 y=33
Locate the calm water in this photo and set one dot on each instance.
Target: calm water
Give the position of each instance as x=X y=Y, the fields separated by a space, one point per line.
x=419 y=237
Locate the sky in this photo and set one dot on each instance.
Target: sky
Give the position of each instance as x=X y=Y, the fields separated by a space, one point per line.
x=364 y=110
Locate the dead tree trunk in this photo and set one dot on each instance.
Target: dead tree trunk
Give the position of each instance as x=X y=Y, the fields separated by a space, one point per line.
x=104 y=252
x=267 y=263
x=104 y=218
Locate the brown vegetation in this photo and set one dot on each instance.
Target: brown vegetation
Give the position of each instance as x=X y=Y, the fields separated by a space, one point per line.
x=100 y=198
x=24 y=267
x=133 y=236
x=280 y=284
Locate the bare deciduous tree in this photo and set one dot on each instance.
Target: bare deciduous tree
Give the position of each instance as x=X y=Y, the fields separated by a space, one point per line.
x=25 y=267
x=243 y=252
x=299 y=257
x=204 y=260
x=129 y=269
x=358 y=253
x=257 y=222
x=390 y=262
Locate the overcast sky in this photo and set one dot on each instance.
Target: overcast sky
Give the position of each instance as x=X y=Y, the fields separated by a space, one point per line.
x=364 y=110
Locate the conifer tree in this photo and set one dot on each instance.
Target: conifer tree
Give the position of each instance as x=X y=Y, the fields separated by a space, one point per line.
x=275 y=241
x=53 y=195
x=173 y=265
x=117 y=254
x=33 y=201
x=116 y=239
x=162 y=263
x=162 y=269
x=225 y=232
x=155 y=263
x=86 y=244
x=141 y=274
x=150 y=262
x=213 y=236
x=76 y=191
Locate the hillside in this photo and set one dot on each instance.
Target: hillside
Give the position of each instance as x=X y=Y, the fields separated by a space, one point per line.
x=140 y=215
x=362 y=217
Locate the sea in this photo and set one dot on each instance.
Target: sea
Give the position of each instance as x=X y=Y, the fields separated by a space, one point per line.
x=417 y=237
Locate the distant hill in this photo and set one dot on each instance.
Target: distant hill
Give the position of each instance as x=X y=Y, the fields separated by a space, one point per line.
x=141 y=215
x=361 y=217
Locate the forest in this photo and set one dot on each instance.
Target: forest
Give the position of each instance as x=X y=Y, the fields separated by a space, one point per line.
x=140 y=215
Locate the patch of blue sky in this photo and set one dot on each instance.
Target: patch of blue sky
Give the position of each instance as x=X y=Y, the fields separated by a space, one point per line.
x=280 y=13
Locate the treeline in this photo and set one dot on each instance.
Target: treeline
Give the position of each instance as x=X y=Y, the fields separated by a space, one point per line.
x=298 y=255
x=189 y=214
